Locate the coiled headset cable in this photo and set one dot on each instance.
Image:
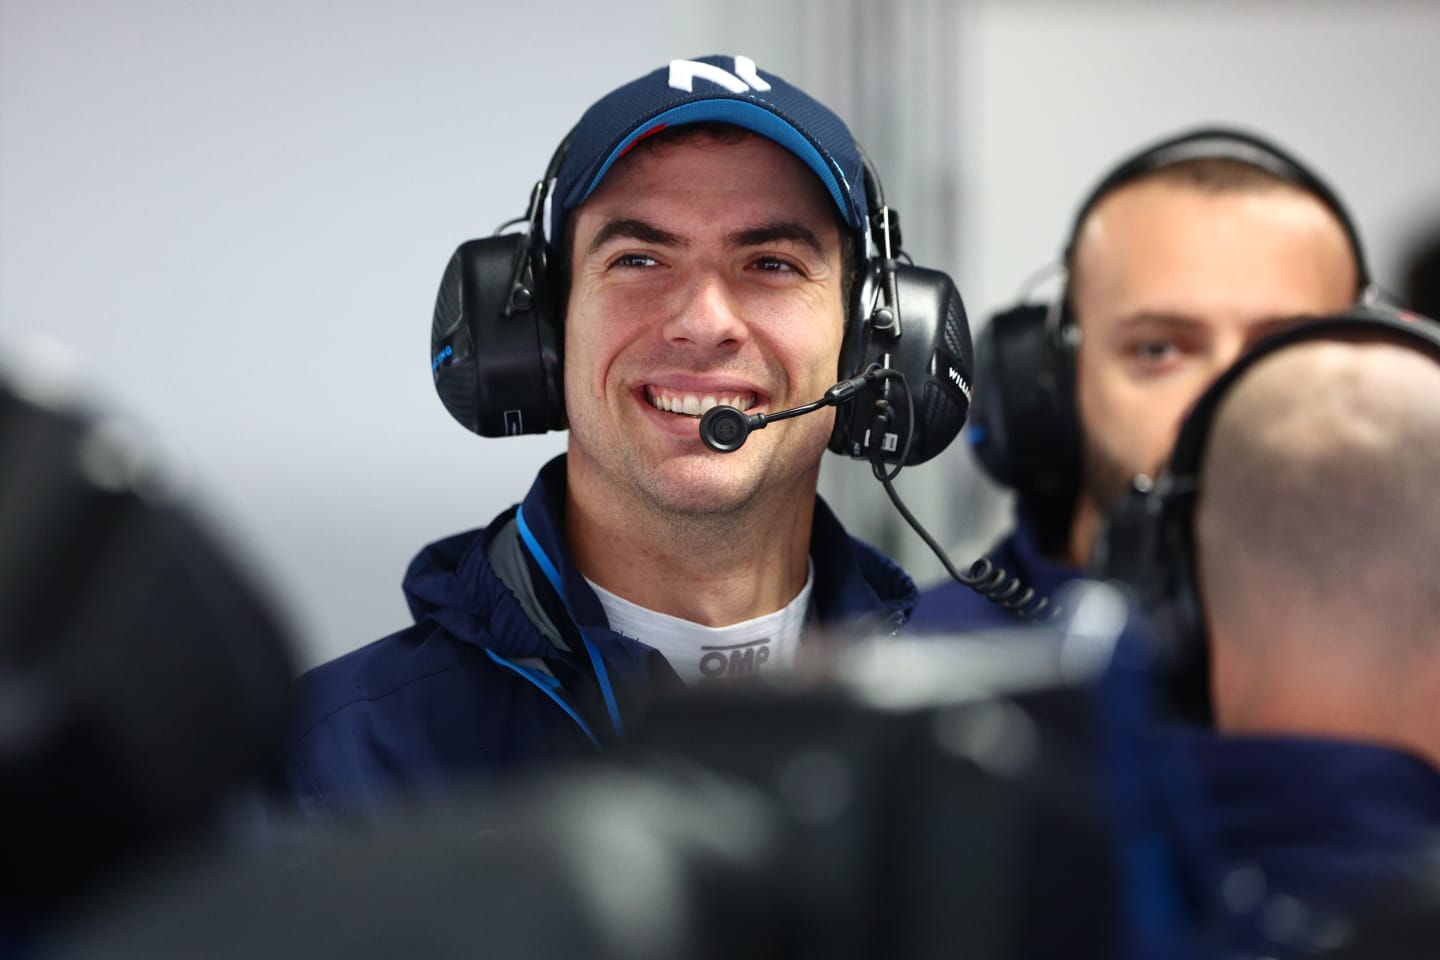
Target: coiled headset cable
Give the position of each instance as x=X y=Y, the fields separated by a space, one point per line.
x=985 y=577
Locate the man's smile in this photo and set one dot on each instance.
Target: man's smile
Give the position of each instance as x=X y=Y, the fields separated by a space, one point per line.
x=691 y=403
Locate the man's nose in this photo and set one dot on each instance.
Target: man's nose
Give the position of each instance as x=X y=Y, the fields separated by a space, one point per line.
x=709 y=317
x=1230 y=348
x=1224 y=357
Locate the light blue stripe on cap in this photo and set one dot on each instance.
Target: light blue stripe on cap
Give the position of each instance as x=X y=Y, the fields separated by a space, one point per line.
x=741 y=113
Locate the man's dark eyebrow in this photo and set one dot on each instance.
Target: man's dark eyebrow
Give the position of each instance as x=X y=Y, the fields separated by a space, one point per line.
x=1176 y=321
x=791 y=230
x=633 y=229
x=1158 y=318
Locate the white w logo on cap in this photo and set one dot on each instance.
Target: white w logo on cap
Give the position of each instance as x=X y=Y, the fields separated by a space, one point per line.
x=745 y=77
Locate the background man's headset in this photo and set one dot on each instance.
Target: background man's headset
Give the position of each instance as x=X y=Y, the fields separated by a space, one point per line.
x=1024 y=425
x=1148 y=542
x=497 y=355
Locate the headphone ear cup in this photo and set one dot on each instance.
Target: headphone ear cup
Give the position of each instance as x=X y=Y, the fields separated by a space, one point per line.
x=933 y=352
x=498 y=375
x=1025 y=429
x=937 y=357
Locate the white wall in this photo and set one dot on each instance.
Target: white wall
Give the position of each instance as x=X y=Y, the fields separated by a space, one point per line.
x=237 y=214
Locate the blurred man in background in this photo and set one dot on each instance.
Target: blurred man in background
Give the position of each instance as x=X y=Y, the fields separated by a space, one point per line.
x=1183 y=255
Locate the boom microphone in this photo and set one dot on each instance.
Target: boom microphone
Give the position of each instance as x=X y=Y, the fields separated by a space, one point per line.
x=724 y=429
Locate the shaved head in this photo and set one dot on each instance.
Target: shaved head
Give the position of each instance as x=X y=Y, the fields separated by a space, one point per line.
x=1317 y=537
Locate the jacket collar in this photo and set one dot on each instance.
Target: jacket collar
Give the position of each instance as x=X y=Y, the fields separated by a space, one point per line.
x=853 y=581
x=455 y=583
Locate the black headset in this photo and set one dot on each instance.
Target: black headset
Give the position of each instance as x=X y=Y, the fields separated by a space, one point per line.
x=497 y=339
x=1148 y=541
x=1025 y=427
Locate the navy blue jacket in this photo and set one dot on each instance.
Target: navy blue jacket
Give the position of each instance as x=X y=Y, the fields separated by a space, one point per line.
x=1333 y=824
x=1324 y=820
x=953 y=607
x=511 y=662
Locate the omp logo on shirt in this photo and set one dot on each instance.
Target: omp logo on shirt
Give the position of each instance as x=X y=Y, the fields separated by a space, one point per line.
x=736 y=660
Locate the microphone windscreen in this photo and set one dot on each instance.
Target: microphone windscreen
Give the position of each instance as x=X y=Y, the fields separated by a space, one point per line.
x=724 y=429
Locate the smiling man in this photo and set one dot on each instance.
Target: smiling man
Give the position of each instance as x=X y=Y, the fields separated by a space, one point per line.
x=707 y=220
x=707 y=269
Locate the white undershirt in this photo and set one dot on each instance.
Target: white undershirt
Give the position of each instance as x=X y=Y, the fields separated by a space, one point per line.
x=702 y=654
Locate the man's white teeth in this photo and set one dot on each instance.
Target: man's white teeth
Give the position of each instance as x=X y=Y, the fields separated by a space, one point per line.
x=693 y=405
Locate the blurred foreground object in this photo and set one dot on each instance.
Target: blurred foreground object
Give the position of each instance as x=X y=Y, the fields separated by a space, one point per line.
x=975 y=799
x=141 y=677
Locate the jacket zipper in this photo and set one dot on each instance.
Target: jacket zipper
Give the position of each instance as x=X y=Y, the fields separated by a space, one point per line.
x=549 y=686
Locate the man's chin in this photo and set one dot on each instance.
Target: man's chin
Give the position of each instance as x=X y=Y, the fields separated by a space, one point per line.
x=1107 y=482
x=691 y=480
x=706 y=484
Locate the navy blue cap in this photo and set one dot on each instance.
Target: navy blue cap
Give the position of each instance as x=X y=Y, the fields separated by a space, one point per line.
x=715 y=89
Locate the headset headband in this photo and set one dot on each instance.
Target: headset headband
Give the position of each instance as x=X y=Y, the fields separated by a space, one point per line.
x=1223 y=143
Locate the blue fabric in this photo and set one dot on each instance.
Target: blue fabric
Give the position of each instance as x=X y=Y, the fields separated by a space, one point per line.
x=1333 y=823
x=596 y=661
x=546 y=567
x=430 y=706
x=739 y=113
x=551 y=688
x=952 y=607
x=783 y=113
x=1326 y=820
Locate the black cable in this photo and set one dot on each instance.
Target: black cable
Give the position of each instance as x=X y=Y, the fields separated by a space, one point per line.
x=985 y=577
x=885 y=413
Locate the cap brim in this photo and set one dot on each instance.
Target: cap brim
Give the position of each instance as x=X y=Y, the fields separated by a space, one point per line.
x=752 y=117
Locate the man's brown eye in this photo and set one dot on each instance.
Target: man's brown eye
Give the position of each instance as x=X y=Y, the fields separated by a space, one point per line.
x=1154 y=349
